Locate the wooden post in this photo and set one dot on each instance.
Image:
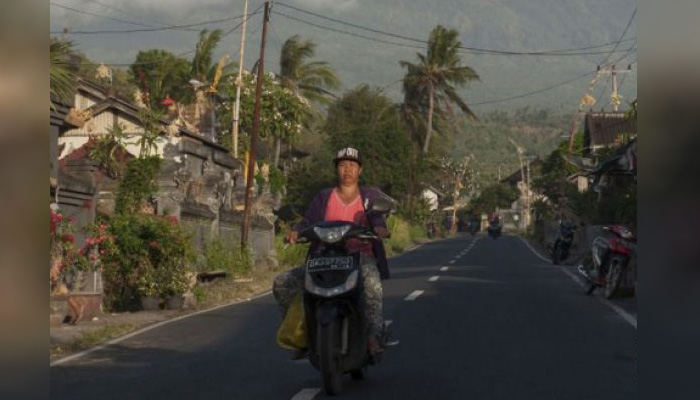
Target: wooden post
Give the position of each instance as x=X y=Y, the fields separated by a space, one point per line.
x=245 y=229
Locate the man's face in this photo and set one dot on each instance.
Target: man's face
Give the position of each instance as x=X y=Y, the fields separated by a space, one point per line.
x=348 y=172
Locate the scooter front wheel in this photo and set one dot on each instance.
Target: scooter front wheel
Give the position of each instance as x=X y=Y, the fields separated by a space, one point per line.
x=330 y=368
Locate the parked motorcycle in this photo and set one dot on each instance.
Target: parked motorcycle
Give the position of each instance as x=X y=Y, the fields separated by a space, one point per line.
x=611 y=258
x=562 y=244
x=495 y=229
x=337 y=331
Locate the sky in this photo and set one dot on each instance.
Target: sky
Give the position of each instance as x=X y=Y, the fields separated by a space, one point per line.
x=513 y=25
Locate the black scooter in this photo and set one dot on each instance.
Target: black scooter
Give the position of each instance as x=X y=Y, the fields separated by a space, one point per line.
x=562 y=244
x=337 y=330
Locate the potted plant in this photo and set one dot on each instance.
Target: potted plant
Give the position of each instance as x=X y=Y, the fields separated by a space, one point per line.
x=175 y=285
x=149 y=289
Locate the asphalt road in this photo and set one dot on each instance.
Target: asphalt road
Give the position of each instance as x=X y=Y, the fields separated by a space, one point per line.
x=498 y=323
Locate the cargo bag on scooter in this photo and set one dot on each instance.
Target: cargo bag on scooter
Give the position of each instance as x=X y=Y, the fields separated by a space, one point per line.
x=292 y=334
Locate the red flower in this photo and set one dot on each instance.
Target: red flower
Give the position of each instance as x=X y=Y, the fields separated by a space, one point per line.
x=173 y=219
x=153 y=243
x=69 y=238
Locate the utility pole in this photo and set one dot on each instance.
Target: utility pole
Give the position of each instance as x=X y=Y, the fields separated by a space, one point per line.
x=527 y=197
x=525 y=181
x=239 y=83
x=614 y=96
x=254 y=134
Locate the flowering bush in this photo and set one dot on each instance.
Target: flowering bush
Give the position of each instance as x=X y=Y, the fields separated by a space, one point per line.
x=151 y=258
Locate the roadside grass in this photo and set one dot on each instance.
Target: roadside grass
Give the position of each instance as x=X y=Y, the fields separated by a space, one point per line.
x=92 y=338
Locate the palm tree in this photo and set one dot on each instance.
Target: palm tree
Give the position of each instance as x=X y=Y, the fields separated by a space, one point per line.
x=435 y=78
x=61 y=75
x=203 y=67
x=311 y=80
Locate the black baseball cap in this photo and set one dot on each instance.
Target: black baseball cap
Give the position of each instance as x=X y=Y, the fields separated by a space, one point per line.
x=348 y=153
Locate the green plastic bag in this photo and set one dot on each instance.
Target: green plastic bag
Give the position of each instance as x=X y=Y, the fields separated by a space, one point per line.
x=292 y=334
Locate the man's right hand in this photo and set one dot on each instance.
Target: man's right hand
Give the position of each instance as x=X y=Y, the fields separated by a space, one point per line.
x=292 y=237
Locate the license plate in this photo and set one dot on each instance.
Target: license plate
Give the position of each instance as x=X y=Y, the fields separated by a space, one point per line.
x=329 y=263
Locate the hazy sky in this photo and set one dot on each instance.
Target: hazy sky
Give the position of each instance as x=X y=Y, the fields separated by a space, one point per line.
x=518 y=25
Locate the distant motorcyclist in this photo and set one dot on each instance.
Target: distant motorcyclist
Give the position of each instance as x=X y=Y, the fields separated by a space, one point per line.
x=345 y=202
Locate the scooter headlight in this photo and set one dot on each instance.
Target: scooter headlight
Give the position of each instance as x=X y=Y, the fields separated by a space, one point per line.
x=349 y=284
x=331 y=235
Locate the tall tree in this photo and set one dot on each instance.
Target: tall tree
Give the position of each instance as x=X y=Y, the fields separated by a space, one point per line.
x=312 y=80
x=431 y=83
x=366 y=119
x=61 y=74
x=163 y=73
x=203 y=66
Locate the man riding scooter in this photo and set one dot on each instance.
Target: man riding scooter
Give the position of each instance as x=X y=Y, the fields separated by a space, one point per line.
x=346 y=202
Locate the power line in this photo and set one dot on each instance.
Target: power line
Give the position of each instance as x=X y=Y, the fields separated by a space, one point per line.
x=51 y=3
x=556 y=85
x=629 y=23
x=467 y=49
x=183 y=54
x=122 y=11
x=157 y=29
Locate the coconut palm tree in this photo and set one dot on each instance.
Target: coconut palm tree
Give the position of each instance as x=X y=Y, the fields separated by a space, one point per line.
x=203 y=66
x=61 y=75
x=434 y=80
x=311 y=80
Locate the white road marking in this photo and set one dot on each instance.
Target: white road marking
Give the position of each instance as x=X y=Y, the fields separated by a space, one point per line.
x=306 y=394
x=434 y=278
x=445 y=268
x=388 y=322
x=151 y=327
x=631 y=319
x=452 y=261
x=414 y=295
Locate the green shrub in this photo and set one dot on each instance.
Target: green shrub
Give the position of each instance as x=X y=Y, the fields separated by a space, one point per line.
x=417 y=233
x=222 y=257
x=152 y=255
x=400 y=238
x=138 y=185
x=290 y=256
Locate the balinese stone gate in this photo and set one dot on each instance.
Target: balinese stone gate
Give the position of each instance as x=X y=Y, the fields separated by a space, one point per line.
x=202 y=185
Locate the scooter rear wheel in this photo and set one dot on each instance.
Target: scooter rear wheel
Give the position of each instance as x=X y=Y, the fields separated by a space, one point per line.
x=330 y=369
x=614 y=278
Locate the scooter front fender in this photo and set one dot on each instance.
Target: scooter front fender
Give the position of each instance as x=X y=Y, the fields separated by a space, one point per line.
x=326 y=313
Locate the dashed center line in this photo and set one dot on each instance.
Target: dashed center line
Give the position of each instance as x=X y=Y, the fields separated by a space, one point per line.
x=434 y=278
x=414 y=295
x=306 y=394
x=452 y=261
x=445 y=268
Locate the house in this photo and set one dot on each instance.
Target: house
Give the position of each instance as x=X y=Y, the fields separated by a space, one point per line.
x=618 y=170
x=432 y=196
x=607 y=129
x=580 y=179
x=517 y=217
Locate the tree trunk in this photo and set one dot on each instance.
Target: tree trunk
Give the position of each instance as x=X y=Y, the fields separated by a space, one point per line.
x=278 y=150
x=429 y=131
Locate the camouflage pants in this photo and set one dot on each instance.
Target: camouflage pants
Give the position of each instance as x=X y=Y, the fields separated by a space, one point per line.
x=288 y=284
